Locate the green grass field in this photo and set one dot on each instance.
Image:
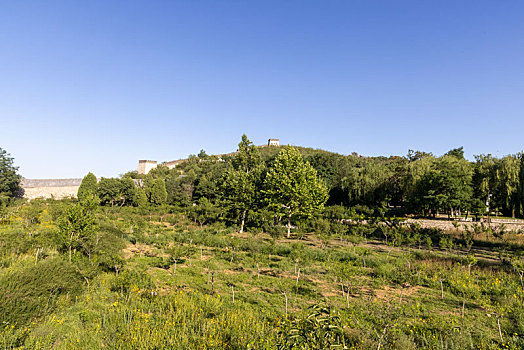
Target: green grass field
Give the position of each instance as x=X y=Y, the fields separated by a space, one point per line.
x=156 y=280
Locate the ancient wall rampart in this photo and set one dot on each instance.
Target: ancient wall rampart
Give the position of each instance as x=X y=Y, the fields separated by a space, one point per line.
x=50 y=188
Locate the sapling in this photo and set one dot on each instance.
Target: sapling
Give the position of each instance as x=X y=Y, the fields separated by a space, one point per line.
x=467 y=236
x=470 y=261
x=285 y=296
x=232 y=292
x=347 y=294
x=498 y=324
x=404 y=285
x=429 y=242
x=518 y=265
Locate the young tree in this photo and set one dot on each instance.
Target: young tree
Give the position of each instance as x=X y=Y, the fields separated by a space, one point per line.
x=77 y=225
x=88 y=187
x=293 y=188
x=9 y=179
x=158 y=192
x=242 y=181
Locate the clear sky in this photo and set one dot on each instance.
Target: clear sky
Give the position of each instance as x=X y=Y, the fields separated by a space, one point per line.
x=97 y=85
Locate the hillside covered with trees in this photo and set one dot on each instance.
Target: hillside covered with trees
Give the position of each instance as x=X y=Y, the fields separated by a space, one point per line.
x=417 y=184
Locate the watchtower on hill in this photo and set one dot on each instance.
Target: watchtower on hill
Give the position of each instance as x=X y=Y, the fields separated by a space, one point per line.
x=144 y=166
x=273 y=142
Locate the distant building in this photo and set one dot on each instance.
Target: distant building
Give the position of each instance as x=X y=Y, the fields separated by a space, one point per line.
x=144 y=166
x=273 y=142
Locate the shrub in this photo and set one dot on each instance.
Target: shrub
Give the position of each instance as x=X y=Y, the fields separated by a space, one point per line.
x=31 y=291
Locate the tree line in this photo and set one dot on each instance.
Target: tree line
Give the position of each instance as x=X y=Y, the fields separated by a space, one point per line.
x=249 y=186
x=264 y=186
x=240 y=188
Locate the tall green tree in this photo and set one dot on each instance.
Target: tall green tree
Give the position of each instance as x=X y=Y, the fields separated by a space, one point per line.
x=455 y=176
x=88 y=187
x=128 y=191
x=158 y=192
x=293 y=188
x=366 y=183
x=415 y=181
x=442 y=184
x=140 y=198
x=9 y=179
x=521 y=184
x=117 y=191
x=507 y=177
x=484 y=181
x=242 y=180
x=109 y=191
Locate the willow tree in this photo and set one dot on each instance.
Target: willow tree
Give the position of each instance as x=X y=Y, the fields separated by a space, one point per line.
x=507 y=177
x=484 y=181
x=242 y=180
x=292 y=187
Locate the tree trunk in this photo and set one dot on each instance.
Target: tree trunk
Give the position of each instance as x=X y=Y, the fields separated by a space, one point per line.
x=289 y=225
x=243 y=221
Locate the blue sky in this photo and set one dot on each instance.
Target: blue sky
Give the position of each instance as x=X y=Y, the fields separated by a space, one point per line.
x=97 y=85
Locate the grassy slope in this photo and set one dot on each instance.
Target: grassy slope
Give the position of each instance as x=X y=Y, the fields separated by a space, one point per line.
x=378 y=294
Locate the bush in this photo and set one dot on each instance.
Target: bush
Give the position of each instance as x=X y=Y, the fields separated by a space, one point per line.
x=31 y=291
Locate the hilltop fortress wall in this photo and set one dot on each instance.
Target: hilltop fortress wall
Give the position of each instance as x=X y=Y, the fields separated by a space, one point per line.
x=50 y=188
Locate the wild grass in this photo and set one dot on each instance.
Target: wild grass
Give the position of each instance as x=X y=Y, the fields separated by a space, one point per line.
x=157 y=282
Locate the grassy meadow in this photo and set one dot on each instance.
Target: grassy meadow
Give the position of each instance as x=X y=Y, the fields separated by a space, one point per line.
x=153 y=279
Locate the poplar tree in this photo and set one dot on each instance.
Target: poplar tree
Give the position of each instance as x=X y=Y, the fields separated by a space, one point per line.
x=242 y=180
x=293 y=188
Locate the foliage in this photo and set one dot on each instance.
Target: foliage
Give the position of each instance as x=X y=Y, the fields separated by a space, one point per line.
x=158 y=192
x=154 y=279
x=293 y=188
x=321 y=329
x=76 y=226
x=88 y=187
x=242 y=181
x=10 y=187
x=31 y=291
